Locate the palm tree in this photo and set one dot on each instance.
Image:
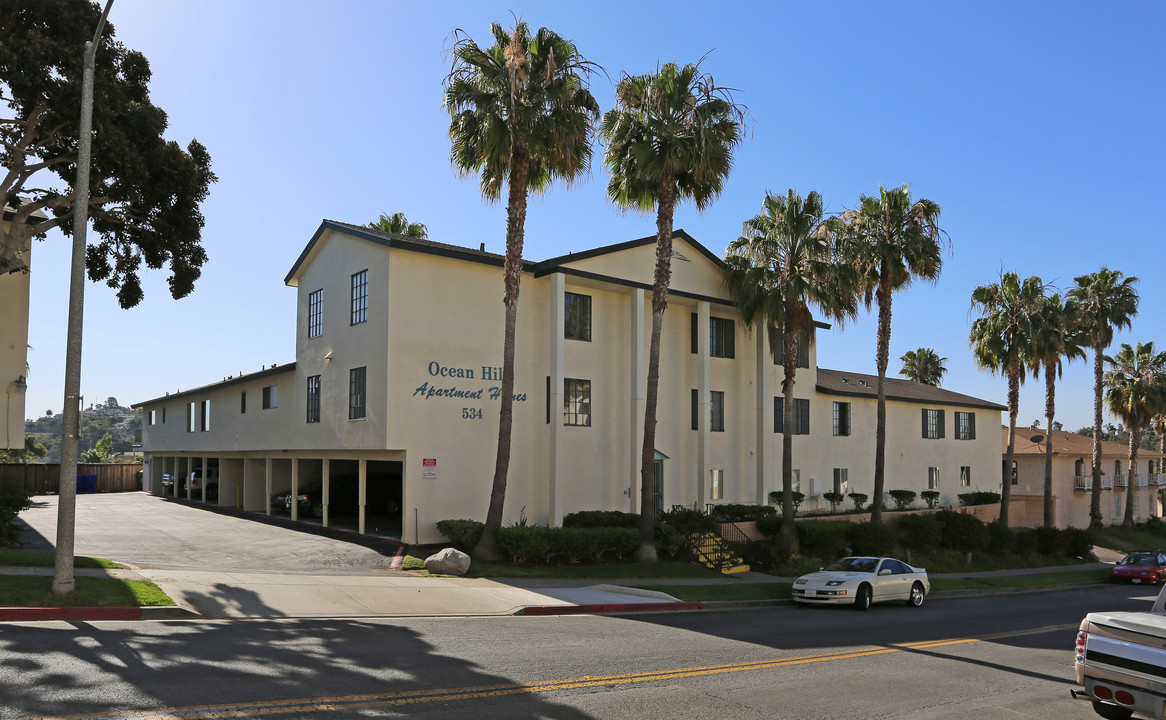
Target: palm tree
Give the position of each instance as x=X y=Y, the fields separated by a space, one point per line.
x=398 y=224
x=783 y=263
x=890 y=240
x=1002 y=341
x=1136 y=392
x=1159 y=425
x=923 y=366
x=521 y=114
x=1057 y=336
x=1107 y=302
x=669 y=138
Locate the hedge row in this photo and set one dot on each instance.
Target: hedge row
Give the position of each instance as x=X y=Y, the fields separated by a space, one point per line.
x=13 y=500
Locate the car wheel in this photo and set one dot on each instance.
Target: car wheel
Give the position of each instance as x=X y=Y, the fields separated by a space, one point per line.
x=915 y=599
x=862 y=600
x=1111 y=712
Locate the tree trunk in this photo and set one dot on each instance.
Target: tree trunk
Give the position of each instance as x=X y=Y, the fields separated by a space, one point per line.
x=1013 y=406
x=1128 y=519
x=1050 y=407
x=883 y=296
x=1095 y=523
x=789 y=529
x=487 y=548
x=663 y=276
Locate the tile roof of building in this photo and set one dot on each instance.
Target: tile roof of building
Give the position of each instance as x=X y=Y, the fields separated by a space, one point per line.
x=839 y=382
x=1064 y=443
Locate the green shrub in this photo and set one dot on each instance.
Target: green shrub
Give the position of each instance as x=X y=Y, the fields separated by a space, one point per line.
x=777 y=497
x=796 y=565
x=762 y=556
x=601 y=518
x=742 y=513
x=1154 y=526
x=835 y=499
x=688 y=521
x=464 y=534
x=1051 y=541
x=1025 y=540
x=13 y=501
x=825 y=539
x=979 y=497
x=859 y=500
x=530 y=542
x=1001 y=540
x=962 y=531
x=919 y=531
x=931 y=497
x=1080 y=543
x=669 y=541
x=770 y=526
x=868 y=539
x=902 y=498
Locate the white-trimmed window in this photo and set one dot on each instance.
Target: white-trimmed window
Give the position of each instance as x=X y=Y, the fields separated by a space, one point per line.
x=359 y=297
x=204 y=417
x=191 y=418
x=315 y=313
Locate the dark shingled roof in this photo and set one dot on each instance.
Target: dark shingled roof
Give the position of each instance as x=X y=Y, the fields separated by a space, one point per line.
x=1064 y=443
x=838 y=382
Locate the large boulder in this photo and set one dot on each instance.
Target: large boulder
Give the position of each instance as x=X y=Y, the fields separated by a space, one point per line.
x=448 y=562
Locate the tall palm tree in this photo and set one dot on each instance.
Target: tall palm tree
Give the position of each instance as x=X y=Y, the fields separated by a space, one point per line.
x=1107 y=302
x=890 y=240
x=521 y=115
x=1136 y=392
x=1057 y=336
x=398 y=224
x=1159 y=425
x=784 y=263
x=923 y=366
x=1002 y=341
x=670 y=137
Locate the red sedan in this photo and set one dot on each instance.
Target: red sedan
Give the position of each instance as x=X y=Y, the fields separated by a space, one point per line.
x=1140 y=566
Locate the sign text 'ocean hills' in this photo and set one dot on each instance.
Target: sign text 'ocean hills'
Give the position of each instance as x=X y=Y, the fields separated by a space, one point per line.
x=488 y=372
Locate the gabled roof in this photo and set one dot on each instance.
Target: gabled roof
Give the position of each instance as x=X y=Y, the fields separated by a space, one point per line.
x=1064 y=443
x=838 y=382
x=546 y=266
x=268 y=372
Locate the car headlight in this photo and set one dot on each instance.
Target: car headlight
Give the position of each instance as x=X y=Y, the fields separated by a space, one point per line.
x=833 y=583
x=800 y=581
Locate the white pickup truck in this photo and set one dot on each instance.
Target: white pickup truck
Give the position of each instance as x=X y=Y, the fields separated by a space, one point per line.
x=1121 y=662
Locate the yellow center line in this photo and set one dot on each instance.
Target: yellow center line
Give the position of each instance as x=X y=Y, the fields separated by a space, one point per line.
x=349 y=702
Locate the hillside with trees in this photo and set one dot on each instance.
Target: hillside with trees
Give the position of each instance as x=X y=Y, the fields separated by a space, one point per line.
x=122 y=424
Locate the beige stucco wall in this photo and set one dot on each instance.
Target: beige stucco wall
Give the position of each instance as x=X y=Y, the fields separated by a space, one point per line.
x=1071 y=506
x=14 y=354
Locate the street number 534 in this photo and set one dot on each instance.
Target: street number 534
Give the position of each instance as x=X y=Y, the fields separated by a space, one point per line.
x=471 y=413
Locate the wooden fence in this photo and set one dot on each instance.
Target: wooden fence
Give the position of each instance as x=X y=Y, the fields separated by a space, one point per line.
x=43 y=478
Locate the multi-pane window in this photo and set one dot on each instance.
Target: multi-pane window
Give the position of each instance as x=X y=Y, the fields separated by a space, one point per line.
x=190 y=417
x=801 y=419
x=359 y=297
x=965 y=426
x=803 y=360
x=315 y=313
x=722 y=341
x=577 y=316
x=243 y=403
x=932 y=424
x=576 y=402
x=841 y=480
x=717 y=405
x=716 y=484
x=270 y=397
x=841 y=418
x=313 y=398
x=965 y=475
x=932 y=478
x=356 y=393
x=204 y=419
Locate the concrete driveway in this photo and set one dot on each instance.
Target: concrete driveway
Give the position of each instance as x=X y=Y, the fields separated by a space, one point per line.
x=151 y=532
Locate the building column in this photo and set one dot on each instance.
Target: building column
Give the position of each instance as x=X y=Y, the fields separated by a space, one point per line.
x=203 y=476
x=764 y=371
x=704 y=403
x=295 y=489
x=557 y=344
x=639 y=384
x=324 y=486
x=267 y=484
x=362 y=493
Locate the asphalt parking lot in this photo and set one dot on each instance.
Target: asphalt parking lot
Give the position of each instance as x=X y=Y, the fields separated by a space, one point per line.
x=152 y=532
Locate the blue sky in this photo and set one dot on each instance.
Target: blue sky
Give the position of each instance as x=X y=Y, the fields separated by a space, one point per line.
x=1036 y=126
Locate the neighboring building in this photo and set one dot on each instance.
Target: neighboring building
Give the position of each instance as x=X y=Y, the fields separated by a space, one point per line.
x=1073 y=478
x=394 y=391
x=14 y=346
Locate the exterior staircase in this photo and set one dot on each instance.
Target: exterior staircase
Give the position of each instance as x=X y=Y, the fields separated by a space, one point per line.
x=712 y=550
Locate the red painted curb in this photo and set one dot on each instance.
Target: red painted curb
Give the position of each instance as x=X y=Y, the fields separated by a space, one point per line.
x=70 y=613
x=610 y=608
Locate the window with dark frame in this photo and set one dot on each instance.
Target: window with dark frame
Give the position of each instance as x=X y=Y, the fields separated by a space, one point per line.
x=190 y=417
x=243 y=403
x=270 y=397
x=695 y=409
x=717 y=411
x=965 y=426
x=932 y=424
x=801 y=419
x=315 y=313
x=716 y=484
x=577 y=316
x=163 y=416
x=356 y=393
x=841 y=418
x=359 y=297
x=932 y=478
x=313 y=398
x=204 y=417
x=153 y=416
x=577 y=402
x=841 y=480
x=722 y=336
x=965 y=475
x=803 y=360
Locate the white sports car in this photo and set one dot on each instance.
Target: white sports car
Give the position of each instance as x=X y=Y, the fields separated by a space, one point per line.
x=861 y=581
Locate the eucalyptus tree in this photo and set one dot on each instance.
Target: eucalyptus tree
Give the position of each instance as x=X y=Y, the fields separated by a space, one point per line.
x=398 y=224
x=923 y=366
x=1057 y=336
x=1135 y=392
x=521 y=115
x=1002 y=342
x=1107 y=301
x=782 y=267
x=669 y=138
x=890 y=240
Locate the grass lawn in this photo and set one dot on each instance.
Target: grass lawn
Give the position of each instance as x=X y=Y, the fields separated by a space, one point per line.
x=27 y=558
x=36 y=591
